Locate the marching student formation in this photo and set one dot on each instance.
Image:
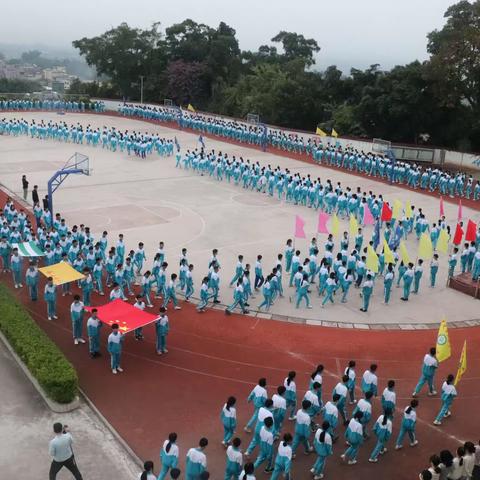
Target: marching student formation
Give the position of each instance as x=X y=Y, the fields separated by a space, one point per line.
x=316 y=417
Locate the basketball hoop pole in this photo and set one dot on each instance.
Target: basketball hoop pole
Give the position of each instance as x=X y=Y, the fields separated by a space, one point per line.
x=73 y=166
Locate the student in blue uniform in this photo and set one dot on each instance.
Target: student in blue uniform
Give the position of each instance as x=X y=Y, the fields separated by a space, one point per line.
x=302 y=428
x=50 y=296
x=233 y=467
x=449 y=393
x=354 y=436
x=162 y=327
x=196 y=462
x=263 y=413
x=408 y=425
x=168 y=456
x=228 y=416
x=76 y=313
x=266 y=445
x=383 y=431
x=93 y=331
x=279 y=410
x=429 y=367
x=16 y=266
x=114 y=348
x=247 y=472
x=31 y=280
x=389 y=397
x=257 y=396
x=291 y=394
x=322 y=444
x=370 y=380
x=283 y=460
x=350 y=372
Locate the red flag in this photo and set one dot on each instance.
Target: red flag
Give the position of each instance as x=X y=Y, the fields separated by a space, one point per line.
x=460 y=213
x=471 y=233
x=457 y=238
x=442 y=210
x=386 y=213
x=124 y=314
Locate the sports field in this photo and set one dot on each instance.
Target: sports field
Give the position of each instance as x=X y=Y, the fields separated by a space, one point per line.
x=212 y=356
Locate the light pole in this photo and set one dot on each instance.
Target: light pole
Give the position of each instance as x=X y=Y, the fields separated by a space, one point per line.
x=141 y=88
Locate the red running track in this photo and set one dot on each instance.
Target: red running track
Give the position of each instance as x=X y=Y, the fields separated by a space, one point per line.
x=212 y=356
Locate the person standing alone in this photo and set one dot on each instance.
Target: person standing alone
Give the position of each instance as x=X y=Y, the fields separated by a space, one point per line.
x=60 y=449
x=25 y=187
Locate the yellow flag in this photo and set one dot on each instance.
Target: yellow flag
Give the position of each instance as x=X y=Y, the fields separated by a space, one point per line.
x=320 y=132
x=397 y=209
x=462 y=364
x=190 y=108
x=442 y=243
x=404 y=253
x=335 y=227
x=425 y=247
x=372 y=260
x=353 y=226
x=334 y=133
x=408 y=210
x=387 y=253
x=443 y=342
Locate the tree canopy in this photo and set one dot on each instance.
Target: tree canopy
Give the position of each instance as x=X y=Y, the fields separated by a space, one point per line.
x=191 y=62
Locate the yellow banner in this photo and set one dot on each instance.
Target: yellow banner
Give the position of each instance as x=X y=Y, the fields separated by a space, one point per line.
x=61 y=273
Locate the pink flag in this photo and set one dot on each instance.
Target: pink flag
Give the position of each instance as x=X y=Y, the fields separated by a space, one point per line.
x=442 y=210
x=460 y=215
x=367 y=216
x=322 y=222
x=299 y=227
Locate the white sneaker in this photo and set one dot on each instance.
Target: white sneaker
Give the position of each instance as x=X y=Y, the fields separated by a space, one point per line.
x=165 y=351
x=398 y=447
x=50 y=318
x=55 y=317
x=447 y=414
x=342 y=456
x=81 y=340
x=352 y=462
x=373 y=460
x=120 y=369
x=318 y=477
x=178 y=308
x=436 y=422
x=414 y=443
x=20 y=285
x=384 y=450
x=114 y=371
x=75 y=341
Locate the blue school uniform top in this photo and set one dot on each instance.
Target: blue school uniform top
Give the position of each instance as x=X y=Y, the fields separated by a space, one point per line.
x=76 y=311
x=291 y=390
x=369 y=382
x=323 y=449
x=50 y=292
x=283 y=460
x=383 y=432
x=31 y=277
x=430 y=365
x=389 y=399
x=196 y=462
x=93 y=327
x=330 y=414
x=409 y=419
x=354 y=433
x=115 y=343
x=170 y=458
x=234 y=461
x=449 y=392
x=302 y=424
x=258 y=396
x=365 y=407
x=229 y=417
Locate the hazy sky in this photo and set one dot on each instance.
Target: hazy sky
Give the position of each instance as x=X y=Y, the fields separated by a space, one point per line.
x=350 y=32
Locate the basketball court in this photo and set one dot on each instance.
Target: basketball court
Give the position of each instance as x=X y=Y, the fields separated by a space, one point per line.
x=212 y=356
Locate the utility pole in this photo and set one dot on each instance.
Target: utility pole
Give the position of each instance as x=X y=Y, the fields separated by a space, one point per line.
x=141 y=88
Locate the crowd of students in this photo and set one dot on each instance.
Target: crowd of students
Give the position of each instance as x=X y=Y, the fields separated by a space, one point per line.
x=141 y=144
x=26 y=105
x=315 y=427
x=348 y=158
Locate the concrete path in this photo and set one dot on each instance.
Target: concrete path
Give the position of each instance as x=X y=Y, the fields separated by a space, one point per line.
x=26 y=429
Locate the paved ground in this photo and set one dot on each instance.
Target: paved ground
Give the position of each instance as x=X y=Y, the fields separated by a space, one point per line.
x=150 y=200
x=26 y=429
